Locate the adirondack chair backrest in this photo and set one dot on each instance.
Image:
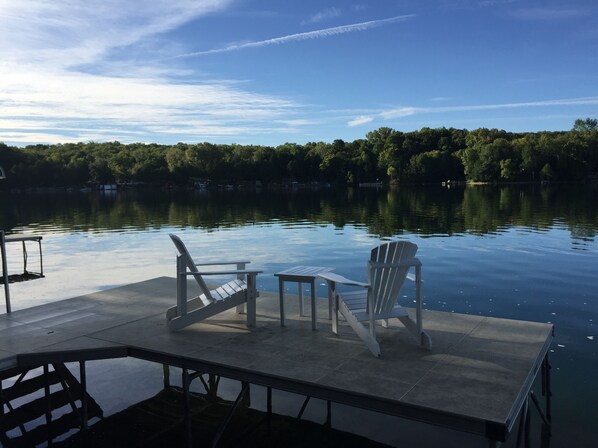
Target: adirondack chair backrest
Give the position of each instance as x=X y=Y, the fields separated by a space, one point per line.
x=386 y=280
x=190 y=263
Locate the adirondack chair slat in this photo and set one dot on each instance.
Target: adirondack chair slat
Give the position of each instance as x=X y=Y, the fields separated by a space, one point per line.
x=226 y=289
x=219 y=294
x=377 y=300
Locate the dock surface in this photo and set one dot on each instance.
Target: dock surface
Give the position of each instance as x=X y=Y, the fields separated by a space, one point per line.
x=476 y=378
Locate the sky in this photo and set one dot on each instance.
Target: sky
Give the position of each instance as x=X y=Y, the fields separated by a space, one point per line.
x=266 y=72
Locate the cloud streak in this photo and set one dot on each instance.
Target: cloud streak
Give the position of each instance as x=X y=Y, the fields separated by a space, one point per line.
x=309 y=35
x=71 y=32
x=407 y=111
x=547 y=14
x=360 y=121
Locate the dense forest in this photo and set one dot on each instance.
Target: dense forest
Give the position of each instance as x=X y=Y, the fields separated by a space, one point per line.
x=385 y=155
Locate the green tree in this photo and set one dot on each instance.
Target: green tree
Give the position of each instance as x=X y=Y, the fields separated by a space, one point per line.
x=206 y=160
x=335 y=162
x=176 y=161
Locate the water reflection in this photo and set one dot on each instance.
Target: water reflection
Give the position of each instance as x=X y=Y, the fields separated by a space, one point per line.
x=425 y=211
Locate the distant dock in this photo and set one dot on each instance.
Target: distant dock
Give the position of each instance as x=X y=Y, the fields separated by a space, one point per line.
x=477 y=379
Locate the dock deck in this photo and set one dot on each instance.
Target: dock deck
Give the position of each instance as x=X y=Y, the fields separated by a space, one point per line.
x=476 y=379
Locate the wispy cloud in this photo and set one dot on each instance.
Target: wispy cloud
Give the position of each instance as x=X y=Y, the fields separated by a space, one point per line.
x=400 y=112
x=360 y=121
x=547 y=14
x=495 y=2
x=298 y=122
x=75 y=32
x=62 y=81
x=328 y=13
x=360 y=7
x=130 y=107
x=317 y=34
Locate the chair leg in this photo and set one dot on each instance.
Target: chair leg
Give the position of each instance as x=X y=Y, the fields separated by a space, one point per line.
x=364 y=333
x=422 y=337
x=251 y=298
x=335 y=314
x=333 y=305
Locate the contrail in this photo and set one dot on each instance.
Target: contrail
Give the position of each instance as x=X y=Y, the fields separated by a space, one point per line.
x=317 y=34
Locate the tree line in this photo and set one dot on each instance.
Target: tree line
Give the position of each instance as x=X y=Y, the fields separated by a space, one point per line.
x=385 y=155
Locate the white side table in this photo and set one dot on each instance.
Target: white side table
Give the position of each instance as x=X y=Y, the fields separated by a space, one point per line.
x=300 y=275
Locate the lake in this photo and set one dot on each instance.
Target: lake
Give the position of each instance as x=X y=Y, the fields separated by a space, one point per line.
x=520 y=252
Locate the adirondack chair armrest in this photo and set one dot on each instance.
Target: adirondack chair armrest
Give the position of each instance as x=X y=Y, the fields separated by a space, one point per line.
x=244 y=271
x=406 y=263
x=221 y=263
x=336 y=278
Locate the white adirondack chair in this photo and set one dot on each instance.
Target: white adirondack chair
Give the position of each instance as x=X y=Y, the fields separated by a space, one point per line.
x=377 y=300
x=235 y=293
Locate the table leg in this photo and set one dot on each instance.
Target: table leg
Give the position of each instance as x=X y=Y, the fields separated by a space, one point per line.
x=330 y=298
x=281 y=297
x=300 y=290
x=313 y=304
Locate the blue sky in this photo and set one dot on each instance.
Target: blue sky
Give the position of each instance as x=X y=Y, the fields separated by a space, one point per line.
x=268 y=72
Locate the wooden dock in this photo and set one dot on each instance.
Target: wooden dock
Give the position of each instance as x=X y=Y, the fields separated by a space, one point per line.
x=477 y=379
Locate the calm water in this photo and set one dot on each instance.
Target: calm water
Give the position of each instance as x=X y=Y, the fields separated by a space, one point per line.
x=527 y=253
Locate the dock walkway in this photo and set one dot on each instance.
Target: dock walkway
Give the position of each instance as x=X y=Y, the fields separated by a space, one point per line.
x=477 y=378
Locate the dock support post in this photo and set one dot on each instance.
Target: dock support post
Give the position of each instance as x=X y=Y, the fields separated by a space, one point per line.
x=524 y=425
x=5 y=271
x=328 y=414
x=166 y=375
x=528 y=423
x=546 y=391
x=213 y=388
x=187 y=407
x=269 y=407
x=269 y=400
x=1 y=398
x=83 y=380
